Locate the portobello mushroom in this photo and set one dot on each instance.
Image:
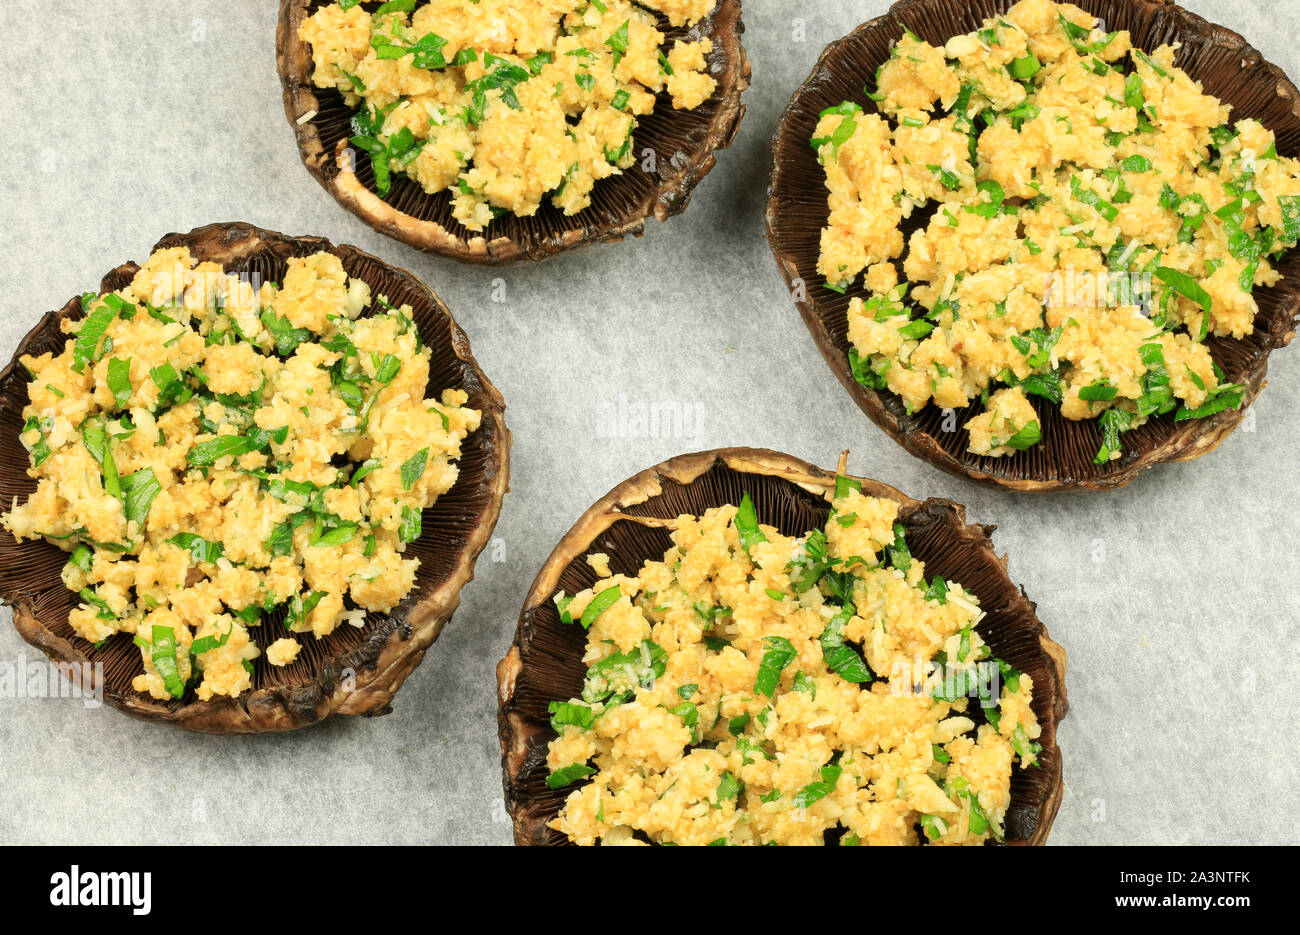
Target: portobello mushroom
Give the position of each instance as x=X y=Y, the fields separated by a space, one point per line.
x=684 y=141
x=628 y=524
x=797 y=209
x=350 y=671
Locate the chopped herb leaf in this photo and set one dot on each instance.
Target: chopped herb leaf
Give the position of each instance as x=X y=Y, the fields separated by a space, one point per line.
x=599 y=604
x=413 y=469
x=568 y=775
x=780 y=653
x=747 y=524
x=202 y=550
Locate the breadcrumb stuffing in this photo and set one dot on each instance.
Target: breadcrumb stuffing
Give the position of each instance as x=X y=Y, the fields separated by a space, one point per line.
x=283 y=651
x=507 y=103
x=787 y=688
x=1092 y=216
x=212 y=453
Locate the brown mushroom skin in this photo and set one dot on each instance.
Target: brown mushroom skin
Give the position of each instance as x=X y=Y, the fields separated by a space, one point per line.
x=351 y=671
x=544 y=662
x=684 y=143
x=797 y=209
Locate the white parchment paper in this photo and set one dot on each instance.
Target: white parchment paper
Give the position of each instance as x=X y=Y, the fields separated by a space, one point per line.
x=1176 y=597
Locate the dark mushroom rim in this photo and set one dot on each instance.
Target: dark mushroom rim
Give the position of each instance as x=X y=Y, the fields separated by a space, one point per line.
x=354 y=670
x=683 y=142
x=545 y=662
x=1227 y=66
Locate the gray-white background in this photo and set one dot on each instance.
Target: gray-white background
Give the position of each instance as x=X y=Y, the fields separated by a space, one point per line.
x=1175 y=598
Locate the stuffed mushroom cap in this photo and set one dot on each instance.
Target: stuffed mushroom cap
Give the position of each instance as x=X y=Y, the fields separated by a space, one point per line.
x=350 y=671
x=629 y=526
